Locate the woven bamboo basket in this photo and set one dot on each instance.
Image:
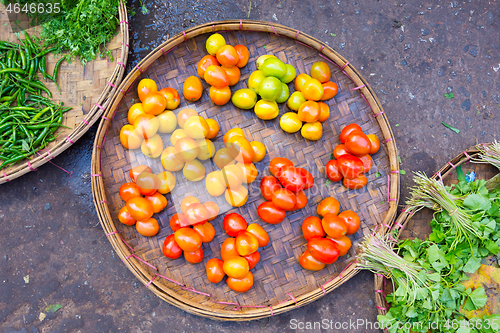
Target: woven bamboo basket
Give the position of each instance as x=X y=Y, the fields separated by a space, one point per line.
x=86 y=89
x=418 y=225
x=280 y=283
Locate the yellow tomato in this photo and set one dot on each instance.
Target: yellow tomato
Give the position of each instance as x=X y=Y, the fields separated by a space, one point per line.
x=207 y=149
x=295 y=101
x=255 y=80
x=145 y=87
x=233 y=176
x=300 y=80
x=266 y=110
x=168 y=122
x=129 y=137
x=152 y=147
x=214 y=43
x=146 y=125
x=186 y=149
x=312 y=90
x=196 y=127
x=194 y=171
x=290 y=122
x=236 y=197
x=134 y=111
x=312 y=131
x=215 y=183
x=223 y=158
x=167 y=182
x=259 y=151
x=178 y=134
x=184 y=115
x=213 y=128
x=244 y=98
x=170 y=161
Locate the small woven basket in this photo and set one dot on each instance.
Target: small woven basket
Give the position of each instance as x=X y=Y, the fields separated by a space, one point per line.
x=280 y=283
x=85 y=89
x=418 y=225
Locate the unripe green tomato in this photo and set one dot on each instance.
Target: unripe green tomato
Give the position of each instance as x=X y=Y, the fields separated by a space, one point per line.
x=291 y=73
x=270 y=88
x=285 y=93
x=274 y=67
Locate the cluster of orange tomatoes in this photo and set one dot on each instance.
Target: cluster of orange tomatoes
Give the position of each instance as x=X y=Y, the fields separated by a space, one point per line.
x=284 y=190
x=352 y=157
x=326 y=237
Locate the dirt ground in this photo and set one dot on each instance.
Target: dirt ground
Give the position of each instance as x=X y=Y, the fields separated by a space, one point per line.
x=53 y=250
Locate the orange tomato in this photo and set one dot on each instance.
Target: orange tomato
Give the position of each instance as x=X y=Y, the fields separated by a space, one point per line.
x=259 y=151
x=178 y=221
x=236 y=267
x=328 y=206
x=188 y=239
x=367 y=163
x=344 y=244
x=312 y=90
x=357 y=143
x=301 y=200
x=215 y=272
x=312 y=131
x=152 y=147
x=312 y=228
x=196 y=213
x=167 y=182
x=188 y=201
x=240 y=149
x=170 y=161
x=250 y=172
x=146 y=125
x=215 y=183
x=206 y=231
x=284 y=199
x=203 y=64
x=192 y=89
x=148 y=228
x=232 y=132
x=172 y=97
x=259 y=233
x=307 y=261
x=228 y=249
x=223 y=158
x=125 y=217
x=233 y=73
x=233 y=176
x=170 y=248
x=136 y=171
x=269 y=213
x=246 y=243
x=148 y=183
x=194 y=257
x=241 y=285
x=334 y=226
x=213 y=210
x=300 y=80
x=220 y=96
x=339 y=151
x=321 y=71
x=277 y=163
x=213 y=128
x=128 y=191
x=184 y=115
x=330 y=89
x=145 y=87
x=227 y=56
x=243 y=55
x=158 y=201
x=186 y=149
x=154 y=103
x=352 y=221
x=129 y=138
x=252 y=259
x=236 y=197
x=196 y=127
x=347 y=130
x=324 y=112
x=375 y=143
x=134 y=111
x=309 y=112
x=216 y=76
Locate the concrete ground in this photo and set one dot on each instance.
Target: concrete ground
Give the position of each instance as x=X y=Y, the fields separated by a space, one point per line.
x=53 y=251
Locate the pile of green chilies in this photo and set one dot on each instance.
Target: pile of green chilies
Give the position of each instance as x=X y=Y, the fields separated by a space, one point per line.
x=28 y=120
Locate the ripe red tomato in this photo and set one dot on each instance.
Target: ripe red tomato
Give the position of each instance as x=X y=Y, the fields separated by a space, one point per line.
x=308 y=177
x=260 y=233
x=157 y=200
x=170 y=248
x=243 y=55
x=328 y=206
x=178 y=221
x=367 y=163
x=347 y=130
x=269 y=185
x=339 y=151
x=293 y=178
x=236 y=267
x=148 y=183
x=215 y=273
x=195 y=256
x=125 y=217
x=324 y=250
x=241 y=285
x=246 y=243
x=269 y=213
x=334 y=226
x=357 y=143
x=252 y=259
x=311 y=228
x=375 y=143
x=196 y=213
x=139 y=208
x=277 y=163
x=188 y=239
x=301 y=200
x=134 y=172
x=206 y=231
x=129 y=190
x=228 y=249
x=352 y=221
x=356 y=183
x=284 y=199
x=344 y=244
x=148 y=228
x=234 y=223
x=350 y=166
x=307 y=261
x=332 y=171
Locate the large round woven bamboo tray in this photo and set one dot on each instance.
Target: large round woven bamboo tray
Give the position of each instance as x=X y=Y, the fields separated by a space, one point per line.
x=418 y=224
x=86 y=89
x=280 y=283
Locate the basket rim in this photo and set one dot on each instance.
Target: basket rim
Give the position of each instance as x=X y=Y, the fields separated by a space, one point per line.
x=99 y=197
x=99 y=107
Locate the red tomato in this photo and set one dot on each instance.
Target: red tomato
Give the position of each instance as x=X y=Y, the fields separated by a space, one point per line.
x=125 y=217
x=293 y=178
x=307 y=261
x=246 y=243
x=148 y=228
x=347 y=130
x=339 y=151
x=241 y=285
x=259 y=233
x=367 y=163
x=234 y=223
x=277 y=163
x=188 y=239
x=206 y=231
x=178 y=221
x=269 y=185
x=334 y=226
x=332 y=171
x=357 y=143
x=228 y=249
x=148 y=183
x=196 y=214
x=308 y=177
x=134 y=172
x=330 y=89
x=243 y=55
x=375 y=143
x=216 y=76
x=269 y=213
x=158 y=201
x=344 y=244
x=129 y=190
x=301 y=200
x=350 y=166
x=284 y=199
x=311 y=228
x=324 y=250
x=352 y=221
x=170 y=248
x=328 y=206
x=215 y=273
x=356 y=183
x=194 y=257
x=252 y=259
x=139 y=208
x=236 y=267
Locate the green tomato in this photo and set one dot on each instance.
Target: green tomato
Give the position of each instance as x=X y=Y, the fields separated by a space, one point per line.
x=255 y=80
x=290 y=74
x=266 y=110
x=285 y=92
x=214 y=43
x=274 y=67
x=270 y=88
x=295 y=101
x=262 y=58
x=244 y=98
x=290 y=122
